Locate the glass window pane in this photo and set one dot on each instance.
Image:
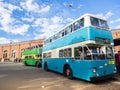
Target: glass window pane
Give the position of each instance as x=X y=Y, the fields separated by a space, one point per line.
x=67 y=52
x=103 y=24
x=109 y=53
x=78 y=53
x=68 y=30
x=61 y=53
x=94 y=21
x=79 y=24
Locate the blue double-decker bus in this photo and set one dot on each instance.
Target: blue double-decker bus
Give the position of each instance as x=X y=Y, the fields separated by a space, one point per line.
x=82 y=49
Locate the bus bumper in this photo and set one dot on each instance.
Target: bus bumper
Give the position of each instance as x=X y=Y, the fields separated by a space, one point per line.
x=102 y=77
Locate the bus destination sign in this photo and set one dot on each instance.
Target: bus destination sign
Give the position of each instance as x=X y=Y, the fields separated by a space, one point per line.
x=102 y=40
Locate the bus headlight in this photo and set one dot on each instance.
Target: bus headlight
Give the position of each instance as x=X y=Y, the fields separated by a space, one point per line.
x=94 y=70
x=115 y=70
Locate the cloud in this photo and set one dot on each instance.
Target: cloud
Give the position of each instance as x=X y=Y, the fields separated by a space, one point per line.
x=115 y=21
x=48 y=26
x=28 y=19
x=118 y=27
x=107 y=15
x=44 y=9
x=32 y=6
x=4 y=40
x=69 y=19
x=8 y=23
x=29 y=5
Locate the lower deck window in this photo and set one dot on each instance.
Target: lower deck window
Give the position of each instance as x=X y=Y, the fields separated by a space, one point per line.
x=65 y=52
x=47 y=55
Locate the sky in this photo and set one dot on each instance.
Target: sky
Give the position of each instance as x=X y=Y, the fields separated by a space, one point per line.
x=23 y=20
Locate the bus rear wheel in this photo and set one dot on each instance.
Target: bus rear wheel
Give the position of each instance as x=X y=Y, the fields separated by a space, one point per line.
x=68 y=72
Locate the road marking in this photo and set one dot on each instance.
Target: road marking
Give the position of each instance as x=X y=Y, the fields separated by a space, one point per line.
x=4 y=75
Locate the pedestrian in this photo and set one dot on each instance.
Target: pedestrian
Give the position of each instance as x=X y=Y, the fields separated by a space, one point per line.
x=118 y=62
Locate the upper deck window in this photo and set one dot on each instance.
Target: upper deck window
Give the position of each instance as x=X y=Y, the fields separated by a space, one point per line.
x=99 y=23
x=68 y=29
x=79 y=24
x=103 y=24
x=55 y=36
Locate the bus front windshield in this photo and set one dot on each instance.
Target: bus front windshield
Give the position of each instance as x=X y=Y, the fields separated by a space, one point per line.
x=99 y=23
x=97 y=52
x=93 y=52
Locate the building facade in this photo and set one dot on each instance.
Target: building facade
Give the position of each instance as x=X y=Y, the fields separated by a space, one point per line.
x=9 y=52
x=116 y=37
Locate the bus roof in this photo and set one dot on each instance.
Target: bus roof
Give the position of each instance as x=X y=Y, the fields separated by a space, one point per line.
x=87 y=14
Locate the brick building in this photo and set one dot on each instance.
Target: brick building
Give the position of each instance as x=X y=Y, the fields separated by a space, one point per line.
x=14 y=50
x=116 y=37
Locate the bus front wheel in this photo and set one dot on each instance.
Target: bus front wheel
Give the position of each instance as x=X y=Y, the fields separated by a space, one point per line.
x=38 y=64
x=26 y=63
x=68 y=72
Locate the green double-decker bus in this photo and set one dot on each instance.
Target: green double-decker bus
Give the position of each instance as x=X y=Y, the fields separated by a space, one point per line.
x=32 y=57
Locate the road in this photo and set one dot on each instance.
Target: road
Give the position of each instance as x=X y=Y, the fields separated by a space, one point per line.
x=16 y=76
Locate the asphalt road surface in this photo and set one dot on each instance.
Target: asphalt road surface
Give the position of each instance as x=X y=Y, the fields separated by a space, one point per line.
x=16 y=76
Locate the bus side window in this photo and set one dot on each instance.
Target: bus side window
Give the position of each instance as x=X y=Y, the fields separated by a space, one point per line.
x=26 y=57
x=31 y=57
x=78 y=24
x=68 y=30
x=62 y=34
x=44 y=55
x=67 y=52
x=49 y=55
x=61 y=53
x=109 y=53
x=77 y=52
x=87 y=54
x=50 y=39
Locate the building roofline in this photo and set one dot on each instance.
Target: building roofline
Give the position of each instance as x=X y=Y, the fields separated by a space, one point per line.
x=115 y=29
x=20 y=42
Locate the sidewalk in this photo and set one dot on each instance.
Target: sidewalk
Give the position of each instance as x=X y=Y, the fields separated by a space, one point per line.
x=10 y=62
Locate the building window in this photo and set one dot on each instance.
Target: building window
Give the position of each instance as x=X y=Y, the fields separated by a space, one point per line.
x=5 y=54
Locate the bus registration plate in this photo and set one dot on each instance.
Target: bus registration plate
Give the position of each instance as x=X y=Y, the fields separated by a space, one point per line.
x=111 y=62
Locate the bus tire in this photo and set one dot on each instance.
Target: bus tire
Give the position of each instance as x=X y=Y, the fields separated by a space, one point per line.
x=26 y=63
x=68 y=72
x=38 y=64
x=46 y=67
